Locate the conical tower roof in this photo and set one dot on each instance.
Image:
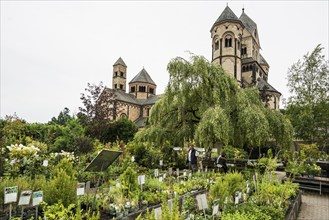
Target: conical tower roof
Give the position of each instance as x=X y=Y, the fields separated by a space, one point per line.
x=250 y=25
x=120 y=62
x=227 y=15
x=144 y=77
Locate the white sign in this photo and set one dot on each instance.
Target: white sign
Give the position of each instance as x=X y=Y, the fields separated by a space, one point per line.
x=45 y=163
x=202 y=201
x=184 y=173
x=141 y=179
x=157 y=213
x=177 y=148
x=25 y=197
x=156 y=172
x=161 y=163
x=160 y=179
x=170 y=202
x=132 y=159
x=215 y=209
x=81 y=189
x=37 y=198
x=11 y=194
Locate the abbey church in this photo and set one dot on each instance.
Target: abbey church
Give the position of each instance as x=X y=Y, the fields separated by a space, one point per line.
x=235 y=46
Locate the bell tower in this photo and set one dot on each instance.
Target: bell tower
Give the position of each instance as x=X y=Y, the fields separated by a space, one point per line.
x=119 y=75
x=226 y=35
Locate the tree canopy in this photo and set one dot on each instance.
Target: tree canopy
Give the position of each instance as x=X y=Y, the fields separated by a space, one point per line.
x=308 y=107
x=204 y=104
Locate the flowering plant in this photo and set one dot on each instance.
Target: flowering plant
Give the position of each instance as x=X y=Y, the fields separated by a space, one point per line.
x=17 y=152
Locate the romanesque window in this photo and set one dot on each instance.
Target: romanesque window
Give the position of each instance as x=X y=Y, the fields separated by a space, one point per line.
x=216 y=44
x=228 y=41
x=151 y=90
x=121 y=86
x=238 y=45
x=141 y=89
x=121 y=74
x=243 y=69
x=244 y=51
x=116 y=73
x=115 y=86
x=132 y=89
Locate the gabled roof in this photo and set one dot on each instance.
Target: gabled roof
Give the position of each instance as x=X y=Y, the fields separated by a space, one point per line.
x=151 y=100
x=263 y=85
x=141 y=122
x=142 y=76
x=120 y=62
x=262 y=60
x=250 y=25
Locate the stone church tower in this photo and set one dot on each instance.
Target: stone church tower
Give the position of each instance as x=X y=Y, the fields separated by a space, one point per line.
x=236 y=46
x=119 y=75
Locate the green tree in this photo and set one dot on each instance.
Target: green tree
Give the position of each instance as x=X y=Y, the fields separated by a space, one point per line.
x=205 y=104
x=63 y=117
x=308 y=107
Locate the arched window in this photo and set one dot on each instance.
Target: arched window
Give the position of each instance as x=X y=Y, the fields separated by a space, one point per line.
x=141 y=89
x=243 y=69
x=151 y=90
x=216 y=42
x=228 y=41
x=132 y=89
x=244 y=51
x=123 y=115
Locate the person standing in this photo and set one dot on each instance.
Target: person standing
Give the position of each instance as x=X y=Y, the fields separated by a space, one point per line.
x=192 y=160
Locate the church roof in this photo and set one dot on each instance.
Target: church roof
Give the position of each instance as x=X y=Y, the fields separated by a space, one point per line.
x=141 y=122
x=144 y=77
x=120 y=62
x=227 y=15
x=263 y=85
x=262 y=60
x=250 y=25
x=130 y=98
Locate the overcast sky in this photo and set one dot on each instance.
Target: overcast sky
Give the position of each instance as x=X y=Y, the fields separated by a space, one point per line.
x=50 y=50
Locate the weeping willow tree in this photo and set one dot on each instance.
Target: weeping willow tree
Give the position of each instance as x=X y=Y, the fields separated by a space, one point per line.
x=202 y=103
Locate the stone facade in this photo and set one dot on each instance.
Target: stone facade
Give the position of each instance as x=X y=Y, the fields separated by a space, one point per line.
x=137 y=102
x=236 y=46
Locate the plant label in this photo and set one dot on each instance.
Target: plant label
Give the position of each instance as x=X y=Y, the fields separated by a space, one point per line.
x=236 y=200
x=37 y=198
x=25 y=197
x=184 y=173
x=164 y=176
x=156 y=172
x=11 y=194
x=161 y=162
x=157 y=213
x=132 y=158
x=215 y=209
x=45 y=163
x=190 y=174
x=160 y=179
x=170 y=201
x=141 y=179
x=177 y=171
x=80 y=189
x=202 y=201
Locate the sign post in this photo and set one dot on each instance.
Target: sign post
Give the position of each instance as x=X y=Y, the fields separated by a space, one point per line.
x=25 y=199
x=37 y=198
x=10 y=197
